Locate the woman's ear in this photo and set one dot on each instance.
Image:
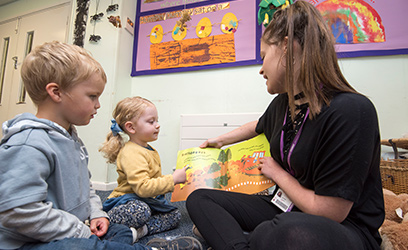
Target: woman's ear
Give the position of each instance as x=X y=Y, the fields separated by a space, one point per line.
x=54 y=91
x=285 y=44
x=129 y=127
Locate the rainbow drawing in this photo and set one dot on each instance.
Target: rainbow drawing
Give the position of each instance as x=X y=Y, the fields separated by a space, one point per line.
x=353 y=21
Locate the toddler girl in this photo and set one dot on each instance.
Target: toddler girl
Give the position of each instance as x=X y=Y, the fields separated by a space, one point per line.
x=138 y=200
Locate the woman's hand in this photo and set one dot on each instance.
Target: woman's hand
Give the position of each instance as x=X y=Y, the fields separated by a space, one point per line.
x=212 y=143
x=334 y=208
x=269 y=167
x=245 y=132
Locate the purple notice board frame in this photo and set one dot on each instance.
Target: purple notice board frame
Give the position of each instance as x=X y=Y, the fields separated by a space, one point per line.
x=247 y=37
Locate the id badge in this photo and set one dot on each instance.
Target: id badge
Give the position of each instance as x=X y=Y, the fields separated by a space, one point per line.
x=282 y=201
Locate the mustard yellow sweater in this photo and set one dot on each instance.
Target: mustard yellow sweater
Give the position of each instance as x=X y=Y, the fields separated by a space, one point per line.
x=140 y=172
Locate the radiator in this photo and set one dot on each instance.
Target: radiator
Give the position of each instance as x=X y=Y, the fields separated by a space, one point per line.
x=197 y=128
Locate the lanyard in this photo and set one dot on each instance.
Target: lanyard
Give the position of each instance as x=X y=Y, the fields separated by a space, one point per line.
x=294 y=142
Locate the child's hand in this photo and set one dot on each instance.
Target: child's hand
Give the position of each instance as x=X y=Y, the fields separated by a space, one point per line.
x=99 y=226
x=179 y=176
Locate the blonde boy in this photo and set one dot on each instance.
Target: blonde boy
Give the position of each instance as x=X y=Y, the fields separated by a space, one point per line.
x=45 y=193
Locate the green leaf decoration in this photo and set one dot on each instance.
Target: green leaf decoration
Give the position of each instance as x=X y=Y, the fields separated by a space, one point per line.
x=267 y=8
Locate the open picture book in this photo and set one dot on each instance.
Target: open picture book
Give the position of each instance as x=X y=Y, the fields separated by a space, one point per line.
x=234 y=168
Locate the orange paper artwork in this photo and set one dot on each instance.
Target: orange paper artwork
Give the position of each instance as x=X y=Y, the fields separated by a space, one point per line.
x=193 y=52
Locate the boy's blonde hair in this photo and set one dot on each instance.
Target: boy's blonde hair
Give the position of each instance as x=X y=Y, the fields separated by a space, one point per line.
x=57 y=62
x=126 y=110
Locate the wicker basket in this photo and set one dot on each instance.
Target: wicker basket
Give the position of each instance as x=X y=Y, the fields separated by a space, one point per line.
x=394 y=175
x=399 y=143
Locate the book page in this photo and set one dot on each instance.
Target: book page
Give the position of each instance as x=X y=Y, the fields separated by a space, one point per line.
x=232 y=169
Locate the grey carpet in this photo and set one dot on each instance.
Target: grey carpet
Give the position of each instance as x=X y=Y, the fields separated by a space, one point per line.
x=184 y=228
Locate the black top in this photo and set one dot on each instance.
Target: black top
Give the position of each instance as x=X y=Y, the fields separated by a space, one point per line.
x=338 y=155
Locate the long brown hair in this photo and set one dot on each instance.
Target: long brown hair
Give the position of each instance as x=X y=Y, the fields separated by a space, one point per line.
x=320 y=75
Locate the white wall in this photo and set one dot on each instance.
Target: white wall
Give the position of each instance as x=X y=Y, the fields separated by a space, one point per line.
x=231 y=90
x=22 y=7
x=112 y=51
x=383 y=79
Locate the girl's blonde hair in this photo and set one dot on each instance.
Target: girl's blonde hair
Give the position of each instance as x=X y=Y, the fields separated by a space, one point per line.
x=126 y=110
x=320 y=75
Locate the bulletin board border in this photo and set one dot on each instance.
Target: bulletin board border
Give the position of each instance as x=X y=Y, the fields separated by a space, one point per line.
x=135 y=72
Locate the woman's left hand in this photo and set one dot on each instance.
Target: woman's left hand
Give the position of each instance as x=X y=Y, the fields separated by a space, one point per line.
x=334 y=208
x=269 y=167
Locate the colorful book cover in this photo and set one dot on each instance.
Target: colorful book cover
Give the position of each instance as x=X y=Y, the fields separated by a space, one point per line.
x=231 y=169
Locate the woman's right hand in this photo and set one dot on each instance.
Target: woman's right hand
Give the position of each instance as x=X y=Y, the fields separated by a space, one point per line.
x=212 y=143
x=245 y=132
x=179 y=176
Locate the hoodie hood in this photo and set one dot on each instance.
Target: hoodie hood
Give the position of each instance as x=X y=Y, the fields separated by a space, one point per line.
x=29 y=121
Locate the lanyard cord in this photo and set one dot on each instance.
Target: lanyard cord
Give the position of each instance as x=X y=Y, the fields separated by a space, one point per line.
x=294 y=142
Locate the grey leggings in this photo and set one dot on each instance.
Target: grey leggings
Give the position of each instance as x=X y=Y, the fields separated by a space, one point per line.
x=137 y=213
x=223 y=217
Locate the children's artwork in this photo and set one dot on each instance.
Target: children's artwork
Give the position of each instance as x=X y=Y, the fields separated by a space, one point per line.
x=204 y=27
x=366 y=27
x=353 y=22
x=183 y=35
x=232 y=169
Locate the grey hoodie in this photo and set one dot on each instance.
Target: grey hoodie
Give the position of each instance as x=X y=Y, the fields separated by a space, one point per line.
x=45 y=191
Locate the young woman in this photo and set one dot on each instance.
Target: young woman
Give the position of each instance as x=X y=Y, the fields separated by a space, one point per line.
x=325 y=148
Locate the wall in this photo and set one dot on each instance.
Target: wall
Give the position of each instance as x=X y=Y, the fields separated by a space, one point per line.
x=385 y=81
x=112 y=52
x=234 y=90
x=231 y=90
x=22 y=7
